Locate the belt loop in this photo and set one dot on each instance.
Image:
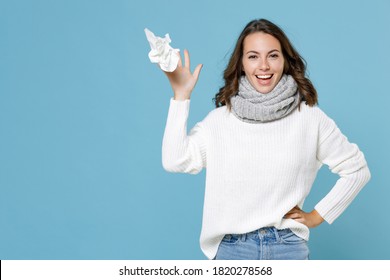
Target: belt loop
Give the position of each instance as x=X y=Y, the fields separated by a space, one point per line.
x=276 y=232
x=243 y=237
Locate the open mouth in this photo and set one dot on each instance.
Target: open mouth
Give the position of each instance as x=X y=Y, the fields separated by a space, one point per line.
x=264 y=77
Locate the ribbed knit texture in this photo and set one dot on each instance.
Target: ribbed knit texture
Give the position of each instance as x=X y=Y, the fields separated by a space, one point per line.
x=256 y=173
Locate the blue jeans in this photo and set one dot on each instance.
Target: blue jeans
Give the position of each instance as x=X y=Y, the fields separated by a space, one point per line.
x=266 y=243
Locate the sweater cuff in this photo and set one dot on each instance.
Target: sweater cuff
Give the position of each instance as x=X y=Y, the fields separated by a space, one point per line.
x=178 y=110
x=179 y=102
x=179 y=107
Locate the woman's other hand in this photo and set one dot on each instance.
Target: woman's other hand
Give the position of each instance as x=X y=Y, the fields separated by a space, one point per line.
x=311 y=219
x=182 y=80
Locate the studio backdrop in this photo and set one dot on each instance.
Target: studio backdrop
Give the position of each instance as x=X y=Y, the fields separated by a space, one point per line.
x=83 y=111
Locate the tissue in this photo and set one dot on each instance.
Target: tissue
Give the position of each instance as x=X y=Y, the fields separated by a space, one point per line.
x=161 y=52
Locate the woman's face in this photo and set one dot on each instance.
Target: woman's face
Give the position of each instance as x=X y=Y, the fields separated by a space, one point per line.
x=262 y=61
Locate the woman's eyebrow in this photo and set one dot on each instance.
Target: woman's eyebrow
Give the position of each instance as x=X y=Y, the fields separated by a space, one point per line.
x=256 y=52
x=252 y=52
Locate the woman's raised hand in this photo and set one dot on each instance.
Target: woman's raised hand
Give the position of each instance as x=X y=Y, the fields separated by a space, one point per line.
x=182 y=80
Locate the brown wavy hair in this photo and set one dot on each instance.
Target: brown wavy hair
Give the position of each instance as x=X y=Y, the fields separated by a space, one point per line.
x=294 y=65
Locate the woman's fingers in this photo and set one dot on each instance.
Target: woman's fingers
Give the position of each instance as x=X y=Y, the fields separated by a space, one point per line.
x=197 y=71
x=187 y=59
x=294 y=210
x=311 y=219
x=182 y=80
x=294 y=213
x=179 y=64
x=187 y=62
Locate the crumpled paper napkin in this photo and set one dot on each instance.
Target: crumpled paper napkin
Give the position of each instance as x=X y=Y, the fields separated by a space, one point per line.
x=161 y=52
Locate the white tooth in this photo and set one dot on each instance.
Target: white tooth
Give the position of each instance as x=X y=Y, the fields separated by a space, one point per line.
x=263 y=76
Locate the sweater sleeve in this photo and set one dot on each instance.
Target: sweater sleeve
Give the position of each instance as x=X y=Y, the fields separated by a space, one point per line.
x=345 y=159
x=181 y=152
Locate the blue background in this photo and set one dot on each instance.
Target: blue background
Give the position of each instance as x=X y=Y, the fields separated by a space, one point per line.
x=82 y=115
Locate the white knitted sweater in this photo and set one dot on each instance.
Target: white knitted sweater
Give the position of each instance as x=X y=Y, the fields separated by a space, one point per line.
x=256 y=173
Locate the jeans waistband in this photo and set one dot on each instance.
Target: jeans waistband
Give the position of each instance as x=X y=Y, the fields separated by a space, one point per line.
x=264 y=232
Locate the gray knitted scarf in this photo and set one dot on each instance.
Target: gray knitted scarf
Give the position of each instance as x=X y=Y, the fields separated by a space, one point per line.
x=252 y=106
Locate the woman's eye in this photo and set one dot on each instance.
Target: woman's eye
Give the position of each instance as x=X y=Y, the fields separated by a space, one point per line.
x=274 y=55
x=252 y=57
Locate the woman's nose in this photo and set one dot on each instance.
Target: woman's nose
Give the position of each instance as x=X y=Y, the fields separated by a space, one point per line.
x=263 y=64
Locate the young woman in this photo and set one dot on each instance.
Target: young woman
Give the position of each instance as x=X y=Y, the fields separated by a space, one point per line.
x=262 y=147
